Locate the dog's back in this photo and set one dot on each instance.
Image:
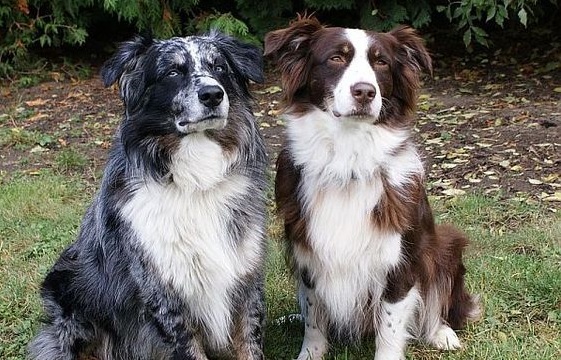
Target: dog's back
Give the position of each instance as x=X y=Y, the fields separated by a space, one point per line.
x=169 y=259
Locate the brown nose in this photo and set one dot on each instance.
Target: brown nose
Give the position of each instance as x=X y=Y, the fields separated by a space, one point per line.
x=363 y=92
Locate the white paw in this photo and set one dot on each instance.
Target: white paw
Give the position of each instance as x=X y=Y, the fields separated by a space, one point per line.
x=307 y=355
x=446 y=339
x=312 y=352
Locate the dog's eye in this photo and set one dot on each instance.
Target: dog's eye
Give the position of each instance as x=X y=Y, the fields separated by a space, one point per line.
x=172 y=73
x=219 y=68
x=337 y=59
x=381 y=62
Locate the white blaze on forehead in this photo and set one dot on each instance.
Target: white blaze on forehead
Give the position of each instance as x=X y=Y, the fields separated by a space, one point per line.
x=201 y=53
x=359 y=70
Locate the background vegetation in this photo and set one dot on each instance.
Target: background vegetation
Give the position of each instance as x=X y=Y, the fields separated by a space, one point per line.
x=30 y=25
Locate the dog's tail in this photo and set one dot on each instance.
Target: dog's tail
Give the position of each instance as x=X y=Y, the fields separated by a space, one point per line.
x=461 y=305
x=63 y=335
x=54 y=341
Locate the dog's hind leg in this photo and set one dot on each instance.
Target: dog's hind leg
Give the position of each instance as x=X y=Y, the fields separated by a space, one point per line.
x=248 y=326
x=448 y=305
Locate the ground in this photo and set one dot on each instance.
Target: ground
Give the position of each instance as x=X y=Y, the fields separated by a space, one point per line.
x=488 y=121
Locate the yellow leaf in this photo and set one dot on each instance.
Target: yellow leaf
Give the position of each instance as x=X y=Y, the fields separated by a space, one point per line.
x=453 y=192
x=272 y=90
x=554 y=197
x=448 y=165
x=36 y=102
x=550 y=177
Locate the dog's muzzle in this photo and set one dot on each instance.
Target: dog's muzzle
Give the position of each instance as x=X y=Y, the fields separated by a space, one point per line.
x=202 y=109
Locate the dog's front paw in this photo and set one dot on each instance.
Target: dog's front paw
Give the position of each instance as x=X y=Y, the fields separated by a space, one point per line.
x=446 y=339
x=308 y=354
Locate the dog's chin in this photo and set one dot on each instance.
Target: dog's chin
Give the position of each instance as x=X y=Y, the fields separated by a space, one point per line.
x=362 y=115
x=190 y=126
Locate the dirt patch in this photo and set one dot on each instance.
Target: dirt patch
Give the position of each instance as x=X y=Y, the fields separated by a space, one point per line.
x=488 y=123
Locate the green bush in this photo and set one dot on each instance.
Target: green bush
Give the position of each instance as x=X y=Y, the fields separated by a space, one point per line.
x=30 y=24
x=25 y=24
x=470 y=15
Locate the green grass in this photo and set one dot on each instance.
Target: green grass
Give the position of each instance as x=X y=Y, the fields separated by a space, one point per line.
x=514 y=263
x=38 y=216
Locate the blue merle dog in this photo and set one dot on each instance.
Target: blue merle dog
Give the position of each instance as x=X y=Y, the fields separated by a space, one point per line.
x=169 y=261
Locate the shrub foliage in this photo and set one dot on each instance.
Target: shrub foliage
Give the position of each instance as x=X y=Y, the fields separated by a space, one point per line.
x=29 y=24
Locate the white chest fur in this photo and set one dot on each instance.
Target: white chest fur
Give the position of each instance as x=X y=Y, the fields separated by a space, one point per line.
x=342 y=165
x=182 y=226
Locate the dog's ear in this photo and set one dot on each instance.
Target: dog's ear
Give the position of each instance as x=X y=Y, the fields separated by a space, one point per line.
x=246 y=59
x=412 y=51
x=123 y=67
x=289 y=48
x=412 y=58
x=125 y=58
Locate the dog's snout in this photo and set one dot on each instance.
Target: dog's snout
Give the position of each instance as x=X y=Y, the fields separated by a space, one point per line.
x=211 y=95
x=363 y=92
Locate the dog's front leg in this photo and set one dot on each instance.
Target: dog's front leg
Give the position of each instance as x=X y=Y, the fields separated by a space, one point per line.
x=189 y=349
x=315 y=343
x=393 y=327
x=168 y=317
x=248 y=332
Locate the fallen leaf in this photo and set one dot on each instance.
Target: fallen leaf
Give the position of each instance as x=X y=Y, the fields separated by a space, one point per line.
x=448 y=165
x=484 y=145
x=36 y=102
x=535 y=181
x=555 y=197
x=453 y=192
x=270 y=90
x=550 y=177
x=38 y=149
x=505 y=163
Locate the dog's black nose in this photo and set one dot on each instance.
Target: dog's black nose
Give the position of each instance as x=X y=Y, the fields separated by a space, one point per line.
x=211 y=95
x=363 y=92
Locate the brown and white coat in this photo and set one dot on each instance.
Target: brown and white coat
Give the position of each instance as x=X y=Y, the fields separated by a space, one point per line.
x=361 y=237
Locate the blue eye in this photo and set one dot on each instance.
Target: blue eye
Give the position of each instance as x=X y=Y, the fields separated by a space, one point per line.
x=219 y=68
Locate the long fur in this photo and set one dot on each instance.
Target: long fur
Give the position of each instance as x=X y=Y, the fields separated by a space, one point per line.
x=360 y=234
x=169 y=260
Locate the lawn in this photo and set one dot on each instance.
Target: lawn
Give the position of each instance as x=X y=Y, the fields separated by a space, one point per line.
x=514 y=263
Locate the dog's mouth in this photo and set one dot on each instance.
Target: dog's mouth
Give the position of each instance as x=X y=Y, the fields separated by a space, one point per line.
x=361 y=114
x=210 y=122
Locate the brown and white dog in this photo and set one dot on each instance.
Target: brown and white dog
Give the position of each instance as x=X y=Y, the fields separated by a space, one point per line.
x=361 y=237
